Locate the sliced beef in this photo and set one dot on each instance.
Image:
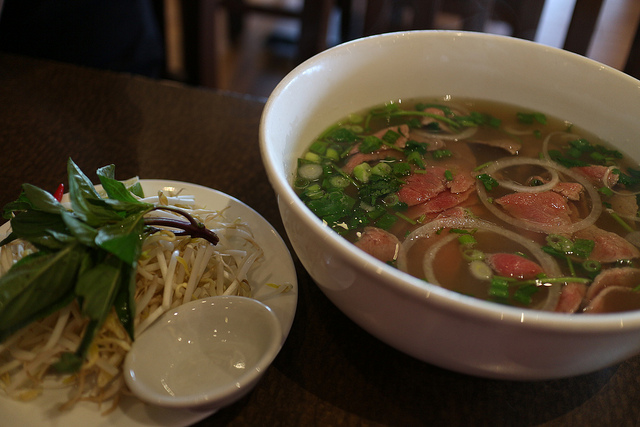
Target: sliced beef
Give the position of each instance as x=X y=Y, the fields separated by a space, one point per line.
x=609 y=247
x=596 y=175
x=626 y=277
x=546 y=208
x=614 y=299
x=624 y=205
x=570 y=190
x=511 y=265
x=379 y=243
x=420 y=187
x=613 y=290
x=507 y=144
x=440 y=203
x=571 y=297
x=461 y=182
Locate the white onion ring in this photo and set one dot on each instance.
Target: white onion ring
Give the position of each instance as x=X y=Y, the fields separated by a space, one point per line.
x=547 y=263
x=545 y=142
x=514 y=161
x=518 y=132
x=465 y=134
x=605 y=181
x=596 y=203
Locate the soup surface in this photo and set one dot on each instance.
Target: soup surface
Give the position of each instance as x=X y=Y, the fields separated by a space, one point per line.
x=486 y=199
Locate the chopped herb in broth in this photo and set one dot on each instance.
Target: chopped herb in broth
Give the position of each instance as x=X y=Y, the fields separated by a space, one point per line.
x=485 y=199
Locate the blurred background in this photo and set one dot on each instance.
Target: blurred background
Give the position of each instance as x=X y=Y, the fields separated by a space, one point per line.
x=251 y=44
x=248 y=46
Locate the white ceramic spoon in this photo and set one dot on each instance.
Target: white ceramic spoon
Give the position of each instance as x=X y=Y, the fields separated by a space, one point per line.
x=206 y=353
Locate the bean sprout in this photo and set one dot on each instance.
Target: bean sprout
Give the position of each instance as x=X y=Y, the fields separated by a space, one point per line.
x=172 y=270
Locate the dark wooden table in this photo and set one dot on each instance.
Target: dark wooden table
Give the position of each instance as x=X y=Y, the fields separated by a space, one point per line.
x=330 y=372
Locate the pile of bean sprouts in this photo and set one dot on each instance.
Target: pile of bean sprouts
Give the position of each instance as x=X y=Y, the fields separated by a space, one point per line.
x=172 y=270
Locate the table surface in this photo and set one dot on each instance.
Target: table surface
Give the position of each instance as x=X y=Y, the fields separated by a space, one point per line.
x=330 y=371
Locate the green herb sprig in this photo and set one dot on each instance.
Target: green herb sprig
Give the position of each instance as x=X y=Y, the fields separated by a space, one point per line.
x=88 y=253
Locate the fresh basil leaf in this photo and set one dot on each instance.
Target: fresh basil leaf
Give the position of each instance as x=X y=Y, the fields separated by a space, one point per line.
x=123 y=239
x=136 y=188
x=124 y=207
x=37 y=286
x=83 y=232
x=124 y=304
x=79 y=183
x=44 y=230
x=21 y=204
x=43 y=200
x=115 y=189
x=85 y=200
x=73 y=361
x=10 y=238
x=98 y=286
x=68 y=363
x=108 y=171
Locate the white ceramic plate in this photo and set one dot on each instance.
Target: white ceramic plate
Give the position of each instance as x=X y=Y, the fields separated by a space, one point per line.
x=278 y=268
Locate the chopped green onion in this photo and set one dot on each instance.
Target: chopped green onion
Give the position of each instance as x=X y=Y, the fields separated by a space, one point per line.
x=406 y=218
x=313 y=192
x=362 y=172
x=339 y=181
x=332 y=154
x=390 y=137
x=355 y=118
x=441 y=154
x=310 y=171
x=300 y=183
x=382 y=169
x=448 y=175
x=472 y=255
x=560 y=243
x=482 y=166
x=462 y=231
x=391 y=199
x=480 y=270
x=467 y=240
x=621 y=221
x=342 y=135
x=605 y=191
x=318 y=147
x=499 y=287
x=312 y=157
x=592 y=266
x=525 y=293
x=416 y=158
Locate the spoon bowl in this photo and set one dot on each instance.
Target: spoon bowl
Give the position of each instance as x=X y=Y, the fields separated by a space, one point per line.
x=206 y=353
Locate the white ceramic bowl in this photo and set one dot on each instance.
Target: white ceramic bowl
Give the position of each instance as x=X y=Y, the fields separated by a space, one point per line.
x=435 y=325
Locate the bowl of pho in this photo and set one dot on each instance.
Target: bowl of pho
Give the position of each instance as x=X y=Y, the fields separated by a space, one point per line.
x=469 y=199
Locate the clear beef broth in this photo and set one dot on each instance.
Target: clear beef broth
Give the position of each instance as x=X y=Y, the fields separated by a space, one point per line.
x=489 y=180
